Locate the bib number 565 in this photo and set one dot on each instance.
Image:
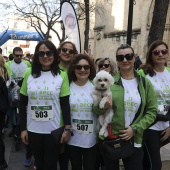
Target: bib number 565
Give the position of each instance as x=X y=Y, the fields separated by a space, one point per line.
x=41 y=114
x=82 y=127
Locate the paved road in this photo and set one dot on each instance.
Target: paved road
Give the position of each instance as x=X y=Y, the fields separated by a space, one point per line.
x=15 y=158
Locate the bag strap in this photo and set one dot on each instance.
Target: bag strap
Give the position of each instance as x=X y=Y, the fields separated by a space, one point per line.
x=138 y=112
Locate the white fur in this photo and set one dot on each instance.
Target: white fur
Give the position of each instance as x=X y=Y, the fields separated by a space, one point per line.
x=101 y=92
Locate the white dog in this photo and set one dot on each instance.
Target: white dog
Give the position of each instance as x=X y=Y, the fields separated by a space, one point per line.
x=102 y=83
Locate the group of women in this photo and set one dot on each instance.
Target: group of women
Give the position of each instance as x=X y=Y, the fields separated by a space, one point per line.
x=51 y=98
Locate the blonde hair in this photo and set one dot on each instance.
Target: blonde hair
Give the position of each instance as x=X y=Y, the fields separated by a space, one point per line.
x=3 y=71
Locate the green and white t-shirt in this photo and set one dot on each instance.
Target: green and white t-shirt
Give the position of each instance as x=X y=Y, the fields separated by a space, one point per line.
x=161 y=83
x=83 y=120
x=44 y=92
x=132 y=99
x=17 y=70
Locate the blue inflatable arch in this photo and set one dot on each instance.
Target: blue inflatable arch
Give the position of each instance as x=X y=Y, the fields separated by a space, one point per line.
x=19 y=35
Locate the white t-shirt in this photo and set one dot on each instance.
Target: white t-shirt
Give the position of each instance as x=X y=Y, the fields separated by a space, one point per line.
x=44 y=92
x=161 y=83
x=82 y=119
x=132 y=99
x=18 y=69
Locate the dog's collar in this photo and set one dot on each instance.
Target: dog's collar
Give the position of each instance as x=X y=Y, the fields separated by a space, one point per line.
x=100 y=89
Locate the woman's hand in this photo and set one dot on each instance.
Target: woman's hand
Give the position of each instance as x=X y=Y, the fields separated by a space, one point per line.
x=126 y=134
x=65 y=136
x=24 y=137
x=166 y=134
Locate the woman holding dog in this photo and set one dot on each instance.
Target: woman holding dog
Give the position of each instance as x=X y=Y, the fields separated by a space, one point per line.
x=82 y=146
x=154 y=69
x=134 y=106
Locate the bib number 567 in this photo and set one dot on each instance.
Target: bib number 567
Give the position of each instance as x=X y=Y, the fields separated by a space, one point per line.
x=41 y=114
x=82 y=127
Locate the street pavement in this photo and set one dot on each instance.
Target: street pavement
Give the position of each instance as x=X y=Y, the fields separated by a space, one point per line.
x=15 y=158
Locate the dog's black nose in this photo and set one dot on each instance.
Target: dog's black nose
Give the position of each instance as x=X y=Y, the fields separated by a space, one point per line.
x=102 y=85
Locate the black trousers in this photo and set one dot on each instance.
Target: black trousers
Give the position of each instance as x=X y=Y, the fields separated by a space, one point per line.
x=152 y=145
x=45 y=150
x=134 y=162
x=2 y=145
x=82 y=157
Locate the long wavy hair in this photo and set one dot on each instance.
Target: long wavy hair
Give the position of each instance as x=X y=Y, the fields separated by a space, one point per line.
x=36 y=65
x=3 y=70
x=148 y=66
x=77 y=58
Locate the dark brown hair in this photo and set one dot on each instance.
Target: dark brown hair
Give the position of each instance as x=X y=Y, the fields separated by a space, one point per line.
x=36 y=65
x=148 y=67
x=77 y=58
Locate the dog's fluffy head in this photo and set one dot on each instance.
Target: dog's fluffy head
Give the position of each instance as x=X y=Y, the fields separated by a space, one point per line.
x=103 y=80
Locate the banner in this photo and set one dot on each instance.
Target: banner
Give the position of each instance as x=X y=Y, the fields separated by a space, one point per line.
x=19 y=35
x=69 y=18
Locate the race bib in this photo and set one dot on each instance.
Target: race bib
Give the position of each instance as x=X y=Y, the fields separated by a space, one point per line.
x=82 y=126
x=42 y=113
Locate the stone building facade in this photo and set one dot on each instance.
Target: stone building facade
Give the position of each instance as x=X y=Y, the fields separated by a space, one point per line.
x=109 y=22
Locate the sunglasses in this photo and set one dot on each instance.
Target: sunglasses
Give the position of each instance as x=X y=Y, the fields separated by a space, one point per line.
x=127 y=56
x=157 y=52
x=42 y=53
x=85 y=67
x=65 y=50
x=19 y=55
x=105 y=65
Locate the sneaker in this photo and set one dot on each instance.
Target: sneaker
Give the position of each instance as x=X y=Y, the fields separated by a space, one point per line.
x=27 y=162
x=3 y=166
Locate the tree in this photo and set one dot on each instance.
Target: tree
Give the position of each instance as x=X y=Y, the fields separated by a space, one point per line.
x=158 y=21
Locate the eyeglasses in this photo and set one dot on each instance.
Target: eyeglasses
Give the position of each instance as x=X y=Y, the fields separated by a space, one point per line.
x=127 y=56
x=157 y=52
x=85 y=67
x=42 y=53
x=105 y=65
x=66 y=49
x=19 y=55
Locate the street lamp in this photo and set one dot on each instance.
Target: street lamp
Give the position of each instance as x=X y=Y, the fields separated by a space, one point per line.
x=130 y=19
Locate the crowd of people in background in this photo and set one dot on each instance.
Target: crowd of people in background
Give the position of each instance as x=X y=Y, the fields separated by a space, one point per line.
x=52 y=89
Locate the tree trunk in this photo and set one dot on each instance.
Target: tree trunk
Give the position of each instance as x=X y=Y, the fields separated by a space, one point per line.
x=158 y=21
x=87 y=25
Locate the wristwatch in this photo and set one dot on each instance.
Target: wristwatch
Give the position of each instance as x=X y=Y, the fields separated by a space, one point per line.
x=134 y=130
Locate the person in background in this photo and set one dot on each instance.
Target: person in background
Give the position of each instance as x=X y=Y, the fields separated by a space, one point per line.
x=11 y=57
x=5 y=58
x=137 y=63
x=125 y=106
x=82 y=146
x=4 y=78
x=155 y=70
x=96 y=62
x=66 y=50
x=108 y=65
x=17 y=67
x=45 y=89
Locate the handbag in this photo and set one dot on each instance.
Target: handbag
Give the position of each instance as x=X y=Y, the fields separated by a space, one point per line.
x=57 y=134
x=118 y=148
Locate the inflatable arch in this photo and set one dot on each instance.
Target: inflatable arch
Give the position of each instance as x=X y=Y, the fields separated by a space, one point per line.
x=19 y=35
